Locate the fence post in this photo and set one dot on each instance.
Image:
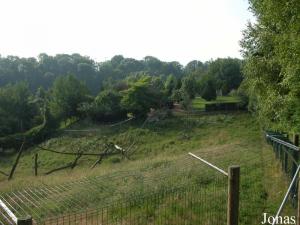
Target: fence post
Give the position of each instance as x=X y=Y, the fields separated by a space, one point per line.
x=25 y=221
x=298 y=203
x=294 y=168
x=233 y=195
x=285 y=159
x=36 y=164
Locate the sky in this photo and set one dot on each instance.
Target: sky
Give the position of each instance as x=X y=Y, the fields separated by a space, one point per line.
x=171 y=30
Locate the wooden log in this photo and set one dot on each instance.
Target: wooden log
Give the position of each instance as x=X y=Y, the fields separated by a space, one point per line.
x=285 y=160
x=36 y=164
x=16 y=162
x=69 y=165
x=296 y=139
x=70 y=153
x=76 y=161
x=3 y=173
x=233 y=195
x=294 y=192
x=98 y=161
x=59 y=168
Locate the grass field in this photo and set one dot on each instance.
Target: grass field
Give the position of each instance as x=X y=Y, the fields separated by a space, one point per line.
x=159 y=162
x=199 y=103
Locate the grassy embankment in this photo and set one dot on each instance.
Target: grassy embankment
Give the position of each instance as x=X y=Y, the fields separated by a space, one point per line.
x=160 y=161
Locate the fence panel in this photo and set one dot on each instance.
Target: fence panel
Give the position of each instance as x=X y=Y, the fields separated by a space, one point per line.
x=192 y=205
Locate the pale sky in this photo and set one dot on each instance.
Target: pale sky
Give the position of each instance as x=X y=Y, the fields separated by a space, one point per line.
x=171 y=30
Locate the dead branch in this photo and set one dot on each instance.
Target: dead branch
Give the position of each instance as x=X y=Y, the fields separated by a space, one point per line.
x=76 y=161
x=16 y=162
x=3 y=173
x=59 y=168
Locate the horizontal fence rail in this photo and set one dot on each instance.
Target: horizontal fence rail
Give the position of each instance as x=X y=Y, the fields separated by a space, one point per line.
x=209 y=164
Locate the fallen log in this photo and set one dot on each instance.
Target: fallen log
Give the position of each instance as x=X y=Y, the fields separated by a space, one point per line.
x=16 y=162
x=76 y=161
x=59 y=168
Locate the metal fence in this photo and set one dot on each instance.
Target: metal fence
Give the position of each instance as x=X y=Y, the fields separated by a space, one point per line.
x=287 y=153
x=183 y=191
x=171 y=192
x=191 y=205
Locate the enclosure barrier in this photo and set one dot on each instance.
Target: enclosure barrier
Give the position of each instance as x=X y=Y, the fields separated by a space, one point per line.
x=216 y=203
x=233 y=190
x=10 y=217
x=288 y=153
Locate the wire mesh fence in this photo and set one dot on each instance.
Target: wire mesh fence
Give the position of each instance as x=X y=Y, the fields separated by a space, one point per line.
x=191 y=205
x=164 y=192
x=168 y=191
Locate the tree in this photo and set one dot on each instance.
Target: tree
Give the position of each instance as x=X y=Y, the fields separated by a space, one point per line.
x=189 y=86
x=107 y=106
x=17 y=112
x=142 y=96
x=170 y=84
x=227 y=74
x=271 y=48
x=208 y=91
x=67 y=94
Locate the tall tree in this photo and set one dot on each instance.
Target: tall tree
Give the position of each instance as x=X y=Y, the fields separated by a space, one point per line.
x=67 y=95
x=17 y=112
x=271 y=47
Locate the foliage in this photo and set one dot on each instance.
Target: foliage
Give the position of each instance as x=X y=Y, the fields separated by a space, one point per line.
x=17 y=111
x=189 y=86
x=271 y=47
x=106 y=107
x=208 y=89
x=170 y=84
x=143 y=95
x=67 y=95
x=32 y=136
x=226 y=73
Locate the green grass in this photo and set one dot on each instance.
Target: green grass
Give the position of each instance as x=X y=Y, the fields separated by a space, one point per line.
x=160 y=162
x=199 y=103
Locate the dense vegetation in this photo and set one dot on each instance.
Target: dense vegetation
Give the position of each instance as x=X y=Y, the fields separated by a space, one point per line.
x=271 y=48
x=73 y=86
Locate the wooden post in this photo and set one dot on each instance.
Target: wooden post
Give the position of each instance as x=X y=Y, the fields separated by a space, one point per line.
x=36 y=164
x=285 y=159
x=296 y=139
x=298 y=204
x=16 y=162
x=25 y=221
x=233 y=195
x=276 y=151
x=294 y=192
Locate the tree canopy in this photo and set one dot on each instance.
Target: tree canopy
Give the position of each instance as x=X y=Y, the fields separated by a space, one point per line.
x=271 y=47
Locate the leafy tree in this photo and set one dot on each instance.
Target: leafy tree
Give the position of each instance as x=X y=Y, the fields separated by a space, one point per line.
x=271 y=48
x=142 y=96
x=208 y=91
x=170 y=84
x=17 y=112
x=189 y=86
x=226 y=73
x=107 y=106
x=67 y=94
x=194 y=66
